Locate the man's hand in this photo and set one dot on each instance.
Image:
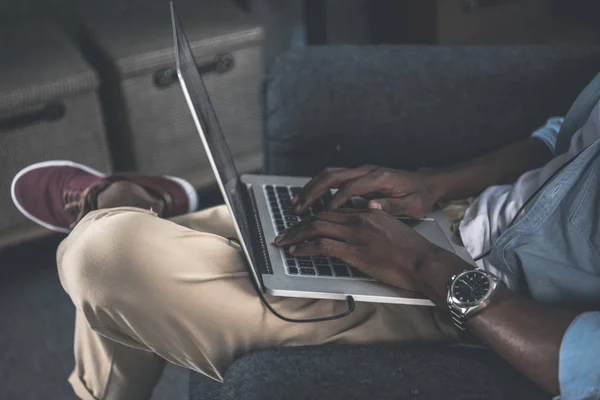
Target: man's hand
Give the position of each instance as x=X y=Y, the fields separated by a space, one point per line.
x=524 y=333
x=375 y=243
x=399 y=192
x=415 y=193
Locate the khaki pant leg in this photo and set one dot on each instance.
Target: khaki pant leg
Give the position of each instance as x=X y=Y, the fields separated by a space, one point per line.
x=147 y=285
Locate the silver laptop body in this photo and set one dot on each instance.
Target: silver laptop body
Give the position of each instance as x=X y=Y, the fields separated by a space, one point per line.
x=260 y=208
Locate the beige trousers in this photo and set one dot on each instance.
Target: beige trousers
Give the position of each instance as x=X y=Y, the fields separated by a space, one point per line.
x=148 y=290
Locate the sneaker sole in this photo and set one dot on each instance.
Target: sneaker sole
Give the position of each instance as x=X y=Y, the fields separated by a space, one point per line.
x=189 y=190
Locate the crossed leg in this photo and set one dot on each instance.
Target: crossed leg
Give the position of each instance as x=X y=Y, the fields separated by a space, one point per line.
x=148 y=289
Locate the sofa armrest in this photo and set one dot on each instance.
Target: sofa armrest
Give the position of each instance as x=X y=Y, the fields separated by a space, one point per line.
x=413 y=106
x=375 y=372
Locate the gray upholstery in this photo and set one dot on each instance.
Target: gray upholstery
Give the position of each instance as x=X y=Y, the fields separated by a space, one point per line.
x=11 y=9
x=43 y=71
x=131 y=42
x=370 y=372
x=403 y=106
x=414 y=106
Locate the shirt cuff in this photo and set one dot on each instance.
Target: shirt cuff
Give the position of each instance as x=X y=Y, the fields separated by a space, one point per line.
x=549 y=132
x=579 y=359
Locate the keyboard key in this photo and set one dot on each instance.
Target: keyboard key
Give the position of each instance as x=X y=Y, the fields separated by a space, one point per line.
x=307 y=271
x=317 y=207
x=293 y=270
x=288 y=254
x=324 y=270
x=278 y=221
x=335 y=260
x=304 y=258
x=326 y=199
x=295 y=190
x=358 y=274
x=270 y=188
x=341 y=270
x=274 y=205
x=282 y=189
x=284 y=195
x=321 y=260
x=305 y=263
x=290 y=262
x=280 y=228
x=291 y=218
x=285 y=203
x=349 y=204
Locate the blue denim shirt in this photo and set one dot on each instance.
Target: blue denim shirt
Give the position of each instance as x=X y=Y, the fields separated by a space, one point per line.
x=579 y=363
x=552 y=254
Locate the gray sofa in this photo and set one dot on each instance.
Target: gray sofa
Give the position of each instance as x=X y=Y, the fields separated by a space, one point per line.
x=403 y=107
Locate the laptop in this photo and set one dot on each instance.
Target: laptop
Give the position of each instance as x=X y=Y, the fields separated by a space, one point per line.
x=261 y=209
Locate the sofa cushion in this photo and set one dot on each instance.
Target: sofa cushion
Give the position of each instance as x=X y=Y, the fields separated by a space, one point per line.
x=414 y=106
x=370 y=372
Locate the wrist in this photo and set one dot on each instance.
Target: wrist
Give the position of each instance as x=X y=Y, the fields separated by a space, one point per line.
x=436 y=183
x=433 y=274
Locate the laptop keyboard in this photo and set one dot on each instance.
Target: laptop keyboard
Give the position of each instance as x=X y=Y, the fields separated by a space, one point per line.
x=283 y=216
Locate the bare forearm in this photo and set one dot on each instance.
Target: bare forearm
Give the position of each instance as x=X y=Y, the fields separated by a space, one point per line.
x=524 y=333
x=500 y=167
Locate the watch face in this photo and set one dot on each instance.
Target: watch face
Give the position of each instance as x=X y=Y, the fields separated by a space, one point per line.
x=471 y=287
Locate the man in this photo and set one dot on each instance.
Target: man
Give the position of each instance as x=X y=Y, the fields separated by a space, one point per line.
x=147 y=288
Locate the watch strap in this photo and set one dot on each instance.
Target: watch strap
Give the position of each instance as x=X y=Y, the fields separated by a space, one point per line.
x=458 y=317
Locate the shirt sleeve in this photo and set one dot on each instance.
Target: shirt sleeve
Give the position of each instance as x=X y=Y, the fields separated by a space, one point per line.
x=579 y=359
x=549 y=132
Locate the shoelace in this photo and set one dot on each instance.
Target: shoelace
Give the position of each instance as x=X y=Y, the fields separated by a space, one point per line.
x=72 y=201
x=79 y=202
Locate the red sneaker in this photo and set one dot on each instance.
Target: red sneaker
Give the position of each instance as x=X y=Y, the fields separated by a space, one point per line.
x=57 y=194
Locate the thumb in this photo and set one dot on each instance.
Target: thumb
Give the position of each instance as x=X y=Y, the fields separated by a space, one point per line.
x=390 y=206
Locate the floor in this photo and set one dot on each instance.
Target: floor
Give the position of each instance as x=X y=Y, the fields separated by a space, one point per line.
x=36 y=329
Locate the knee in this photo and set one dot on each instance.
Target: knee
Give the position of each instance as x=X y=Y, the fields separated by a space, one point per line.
x=93 y=261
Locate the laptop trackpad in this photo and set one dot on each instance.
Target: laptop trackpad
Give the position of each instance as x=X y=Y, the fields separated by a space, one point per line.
x=430 y=230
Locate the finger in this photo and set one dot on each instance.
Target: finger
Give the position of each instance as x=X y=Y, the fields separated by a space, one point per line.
x=296 y=225
x=315 y=230
x=400 y=206
x=321 y=176
x=371 y=196
x=346 y=211
x=323 y=247
x=335 y=217
x=317 y=177
x=361 y=186
x=375 y=205
x=341 y=216
x=328 y=179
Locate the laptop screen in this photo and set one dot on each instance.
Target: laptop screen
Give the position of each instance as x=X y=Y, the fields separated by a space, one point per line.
x=210 y=131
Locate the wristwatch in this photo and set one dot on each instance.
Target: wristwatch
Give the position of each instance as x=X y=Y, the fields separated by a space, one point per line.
x=469 y=292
